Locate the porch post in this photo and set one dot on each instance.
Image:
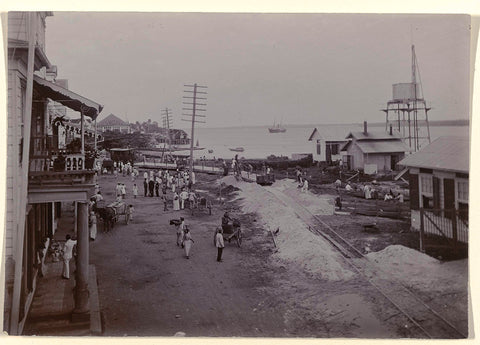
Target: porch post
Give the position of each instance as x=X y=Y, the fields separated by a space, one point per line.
x=422 y=224
x=81 y=312
x=95 y=134
x=82 y=128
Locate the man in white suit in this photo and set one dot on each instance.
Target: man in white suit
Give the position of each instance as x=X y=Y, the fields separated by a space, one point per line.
x=67 y=255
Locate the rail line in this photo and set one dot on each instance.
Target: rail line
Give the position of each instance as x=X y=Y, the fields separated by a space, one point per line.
x=426 y=319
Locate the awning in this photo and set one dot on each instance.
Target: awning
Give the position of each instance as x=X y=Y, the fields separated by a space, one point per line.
x=67 y=98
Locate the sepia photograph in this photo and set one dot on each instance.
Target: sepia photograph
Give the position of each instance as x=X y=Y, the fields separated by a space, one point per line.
x=255 y=175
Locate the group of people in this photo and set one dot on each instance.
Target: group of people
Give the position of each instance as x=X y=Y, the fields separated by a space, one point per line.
x=184 y=239
x=180 y=183
x=370 y=192
x=302 y=180
x=127 y=169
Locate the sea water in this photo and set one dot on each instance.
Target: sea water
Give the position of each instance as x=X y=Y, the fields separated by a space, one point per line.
x=259 y=143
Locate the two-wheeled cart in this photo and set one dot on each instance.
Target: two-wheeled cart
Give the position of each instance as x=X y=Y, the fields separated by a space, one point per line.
x=231 y=231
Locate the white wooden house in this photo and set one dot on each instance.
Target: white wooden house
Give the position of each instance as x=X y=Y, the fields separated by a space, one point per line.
x=325 y=147
x=373 y=152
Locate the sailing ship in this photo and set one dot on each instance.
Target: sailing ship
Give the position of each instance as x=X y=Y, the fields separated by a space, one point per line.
x=277 y=128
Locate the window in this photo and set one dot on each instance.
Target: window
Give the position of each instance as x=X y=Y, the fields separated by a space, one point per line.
x=427 y=184
x=319 y=147
x=334 y=149
x=462 y=191
x=426 y=187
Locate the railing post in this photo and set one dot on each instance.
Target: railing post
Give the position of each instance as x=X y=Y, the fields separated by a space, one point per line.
x=422 y=229
x=454 y=228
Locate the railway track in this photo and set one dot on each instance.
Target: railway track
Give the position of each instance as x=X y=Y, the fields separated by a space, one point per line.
x=422 y=316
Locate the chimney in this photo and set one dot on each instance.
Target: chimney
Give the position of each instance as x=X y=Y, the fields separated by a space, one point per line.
x=365 y=127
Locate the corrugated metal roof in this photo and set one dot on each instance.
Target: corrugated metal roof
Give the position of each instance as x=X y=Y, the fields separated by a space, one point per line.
x=382 y=146
x=68 y=98
x=373 y=136
x=444 y=153
x=112 y=120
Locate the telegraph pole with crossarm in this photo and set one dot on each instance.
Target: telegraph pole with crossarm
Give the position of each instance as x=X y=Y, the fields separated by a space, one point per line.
x=191 y=98
x=167 y=124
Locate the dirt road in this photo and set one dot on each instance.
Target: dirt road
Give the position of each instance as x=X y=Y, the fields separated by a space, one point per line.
x=148 y=288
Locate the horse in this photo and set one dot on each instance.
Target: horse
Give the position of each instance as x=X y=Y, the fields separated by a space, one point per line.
x=107 y=214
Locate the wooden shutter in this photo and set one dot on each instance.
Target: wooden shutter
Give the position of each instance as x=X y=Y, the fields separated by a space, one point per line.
x=436 y=193
x=414 y=192
x=449 y=196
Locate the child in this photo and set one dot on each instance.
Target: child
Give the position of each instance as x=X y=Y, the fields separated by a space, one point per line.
x=135 y=190
x=130 y=211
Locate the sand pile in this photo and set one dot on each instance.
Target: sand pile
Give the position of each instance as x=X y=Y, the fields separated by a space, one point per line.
x=316 y=204
x=296 y=243
x=418 y=270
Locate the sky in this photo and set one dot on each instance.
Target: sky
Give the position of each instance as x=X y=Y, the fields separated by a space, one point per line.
x=293 y=68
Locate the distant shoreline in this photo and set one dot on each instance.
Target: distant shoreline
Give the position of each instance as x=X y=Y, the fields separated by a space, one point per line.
x=436 y=123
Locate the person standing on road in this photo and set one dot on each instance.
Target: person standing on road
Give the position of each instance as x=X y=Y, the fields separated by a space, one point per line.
x=183 y=197
x=67 y=256
x=180 y=231
x=145 y=186
x=124 y=191
x=305 y=186
x=219 y=244
x=176 y=202
x=135 y=190
x=151 y=187
x=187 y=242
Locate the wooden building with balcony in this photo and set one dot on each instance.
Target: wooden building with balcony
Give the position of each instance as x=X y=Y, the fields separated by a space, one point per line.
x=35 y=190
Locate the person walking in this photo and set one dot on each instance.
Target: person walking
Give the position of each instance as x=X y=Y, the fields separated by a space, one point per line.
x=219 y=244
x=67 y=256
x=187 y=242
x=92 y=225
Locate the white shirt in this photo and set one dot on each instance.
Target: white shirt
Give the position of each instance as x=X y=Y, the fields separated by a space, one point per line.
x=68 y=248
x=219 y=240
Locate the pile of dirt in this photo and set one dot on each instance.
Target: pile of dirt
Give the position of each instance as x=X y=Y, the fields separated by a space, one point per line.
x=419 y=270
x=296 y=244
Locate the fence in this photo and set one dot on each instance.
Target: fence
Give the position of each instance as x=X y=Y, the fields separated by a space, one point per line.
x=451 y=224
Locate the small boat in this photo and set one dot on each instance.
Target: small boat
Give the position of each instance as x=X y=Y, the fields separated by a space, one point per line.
x=277 y=128
x=237 y=149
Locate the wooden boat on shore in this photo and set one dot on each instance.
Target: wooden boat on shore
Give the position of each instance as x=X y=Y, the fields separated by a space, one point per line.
x=237 y=149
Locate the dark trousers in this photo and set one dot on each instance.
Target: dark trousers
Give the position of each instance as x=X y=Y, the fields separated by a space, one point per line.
x=219 y=254
x=145 y=190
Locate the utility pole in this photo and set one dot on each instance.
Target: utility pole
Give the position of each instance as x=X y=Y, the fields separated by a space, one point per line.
x=192 y=92
x=167 y=123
